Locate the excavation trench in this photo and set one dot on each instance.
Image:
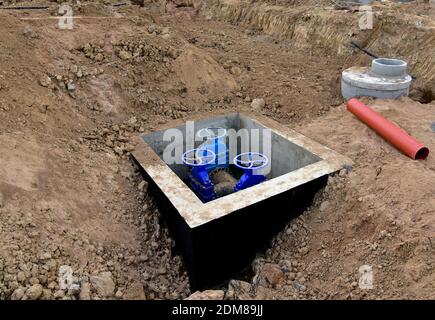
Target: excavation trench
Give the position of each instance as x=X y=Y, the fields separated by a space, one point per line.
x=330 y=32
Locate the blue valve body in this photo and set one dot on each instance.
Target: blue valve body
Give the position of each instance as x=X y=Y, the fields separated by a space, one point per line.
x=222 y=154
x=249 y=179
x=200 y=168
x=201 y=184
x=199 y=178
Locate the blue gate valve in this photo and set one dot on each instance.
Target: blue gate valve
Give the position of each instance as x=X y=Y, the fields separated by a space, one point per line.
x=199 y=179
x=250 y=162
x=215 y=142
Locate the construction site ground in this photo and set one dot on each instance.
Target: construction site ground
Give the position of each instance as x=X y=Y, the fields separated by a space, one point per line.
x=72 y=100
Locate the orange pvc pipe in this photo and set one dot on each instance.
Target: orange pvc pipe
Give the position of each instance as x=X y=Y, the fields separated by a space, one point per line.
x=388 y=130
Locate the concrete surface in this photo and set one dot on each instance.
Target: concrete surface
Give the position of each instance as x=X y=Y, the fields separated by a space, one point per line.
x=295 y=160
x=386 y=79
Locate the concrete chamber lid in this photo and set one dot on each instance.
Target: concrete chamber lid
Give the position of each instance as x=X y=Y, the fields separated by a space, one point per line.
x=386 y=79
x=364 y=77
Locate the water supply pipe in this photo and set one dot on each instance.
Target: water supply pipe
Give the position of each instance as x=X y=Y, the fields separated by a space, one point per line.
x=388 y=130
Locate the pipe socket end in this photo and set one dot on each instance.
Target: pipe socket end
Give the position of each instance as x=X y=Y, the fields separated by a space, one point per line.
x=389 y=67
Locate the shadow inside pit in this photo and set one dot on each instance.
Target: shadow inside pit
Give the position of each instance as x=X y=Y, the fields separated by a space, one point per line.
x=423 y=95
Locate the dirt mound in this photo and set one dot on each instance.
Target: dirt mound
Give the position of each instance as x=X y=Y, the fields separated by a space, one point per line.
x=200 y=73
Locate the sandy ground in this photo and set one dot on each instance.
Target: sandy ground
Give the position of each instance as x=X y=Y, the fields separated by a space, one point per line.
x=70 y=198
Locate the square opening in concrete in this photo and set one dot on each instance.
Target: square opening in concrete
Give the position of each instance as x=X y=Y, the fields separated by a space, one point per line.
x=218 y=236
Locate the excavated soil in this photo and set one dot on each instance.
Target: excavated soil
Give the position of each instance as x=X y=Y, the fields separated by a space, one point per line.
x=72 y=100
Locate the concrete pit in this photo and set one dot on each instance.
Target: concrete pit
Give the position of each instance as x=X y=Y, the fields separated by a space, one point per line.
x=219 y=238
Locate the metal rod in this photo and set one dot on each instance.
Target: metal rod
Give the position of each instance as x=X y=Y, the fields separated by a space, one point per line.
x=26 y=8
x=371 y=54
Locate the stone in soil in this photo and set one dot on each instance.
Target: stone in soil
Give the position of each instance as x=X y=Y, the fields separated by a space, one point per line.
x=103 y=284
x=85 y=292
x=207 y=295
x=241 y=290
x=18 y=294
x=45 y=81
x=143 y=186
x=272 y=273
x=34 y=292
x=258 y=104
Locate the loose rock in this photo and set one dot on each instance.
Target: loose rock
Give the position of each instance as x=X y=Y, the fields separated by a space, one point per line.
x=241 y=290
x=18 y=294
x=70 y=86
x=103 y=284
x=143 y=186
x=303 y=251
x=34 y=292
x=125 y=55
x=28 y=32
x=45 y=81
x=207 y=295
x=324 y=206
x=135 y=292
x=85 y=292
x=258 y=104
x=59 y=294
x=272 y=273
